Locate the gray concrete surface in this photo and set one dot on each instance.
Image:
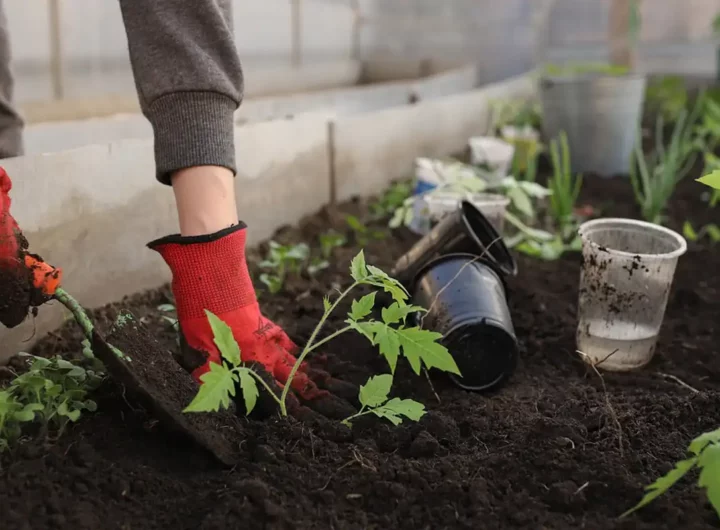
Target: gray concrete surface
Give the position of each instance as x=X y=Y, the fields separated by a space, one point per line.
x=95 y=224
x=54 y=136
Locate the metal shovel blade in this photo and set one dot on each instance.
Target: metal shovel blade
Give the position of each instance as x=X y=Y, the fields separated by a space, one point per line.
x=153 y=379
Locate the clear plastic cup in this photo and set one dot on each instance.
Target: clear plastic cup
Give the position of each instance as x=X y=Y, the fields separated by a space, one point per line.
x=628 y=268
x=491 y=205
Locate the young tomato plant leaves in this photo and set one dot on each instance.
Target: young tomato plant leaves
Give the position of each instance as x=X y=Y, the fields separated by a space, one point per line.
x=373 y=397
x=396 y=408
x=711 y=179
x=224 y=339
x=709 y=462
x=419 y=346
x=375 y=392
x=363 y=307
x=358 y=267
x=218 y=386
x=422 y=345
x=706 y=457
x=249 y=389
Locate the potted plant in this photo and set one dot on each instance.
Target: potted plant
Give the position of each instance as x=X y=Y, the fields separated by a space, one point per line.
x=598 y=105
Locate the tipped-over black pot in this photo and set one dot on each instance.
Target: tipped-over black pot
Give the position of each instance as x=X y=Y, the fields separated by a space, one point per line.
x=466 y=300
x=465 y=231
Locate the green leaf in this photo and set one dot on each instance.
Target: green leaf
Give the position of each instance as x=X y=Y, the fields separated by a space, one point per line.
x=396 y=312
x=249 y=389
x=664 y=483
x=689 y=232
x=166 y=308
x=64 y=410
x=355 y=224
x=218 y=385
x=713 y=231
x=396 y=408
x=375 y=391
x=28 y=412
x=711 y=179
x=366 y=329
x=534 y=189
x=326 y=303
x=521 y=201
x=421 y=345
x=702 y=441
x=358 y=268
x=224 y=339
x=363 y=307
x=387 y=341
x=709 y=462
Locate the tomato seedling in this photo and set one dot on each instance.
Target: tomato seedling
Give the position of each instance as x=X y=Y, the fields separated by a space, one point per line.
x=373 y=397
x=392 y=335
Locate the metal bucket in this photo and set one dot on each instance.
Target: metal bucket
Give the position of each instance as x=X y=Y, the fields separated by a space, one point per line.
x=600 y=115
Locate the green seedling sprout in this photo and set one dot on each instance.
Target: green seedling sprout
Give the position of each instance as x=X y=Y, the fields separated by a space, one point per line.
x=705 y=451
x=281 y=261
x=391 y=200
x=363 y=233
x=374 y=399
x=667 y=97
x=564 y=185
x=655 y=177
x=393 y=337
x=329 y=241
x=51 y=393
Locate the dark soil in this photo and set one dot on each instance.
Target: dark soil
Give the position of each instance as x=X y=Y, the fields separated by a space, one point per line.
x=550 y=450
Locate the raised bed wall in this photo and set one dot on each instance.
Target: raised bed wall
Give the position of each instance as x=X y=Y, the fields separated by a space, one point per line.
x=91 y=210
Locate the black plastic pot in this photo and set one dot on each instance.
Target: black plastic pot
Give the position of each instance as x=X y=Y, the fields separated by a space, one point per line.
x=466 y=231
x=466 y=299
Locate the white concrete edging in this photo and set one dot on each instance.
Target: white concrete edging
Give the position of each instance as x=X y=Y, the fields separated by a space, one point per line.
x=91 y=210
x=61 y=135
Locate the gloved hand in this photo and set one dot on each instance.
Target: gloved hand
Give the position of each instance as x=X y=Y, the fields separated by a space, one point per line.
x=25 y=279
x=210 y=272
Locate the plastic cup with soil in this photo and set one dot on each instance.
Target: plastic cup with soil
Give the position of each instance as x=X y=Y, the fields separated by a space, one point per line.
x=465 y=231
x=466 y=301
x=492 y=205
x=627 y=272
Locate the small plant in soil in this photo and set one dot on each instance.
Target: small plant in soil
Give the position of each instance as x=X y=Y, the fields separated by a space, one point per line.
x=49 y=395
x=281 y=261
x=374 y=399
x=565 y=187
x=705 y=451
x=391 y=200
x=329 y=241
x=362 y=233
x=655 y=176
x=712 y=231
x=392 y=335
x=667 y=97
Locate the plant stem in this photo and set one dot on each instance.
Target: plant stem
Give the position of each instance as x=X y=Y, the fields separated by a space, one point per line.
x=266 y=386
x=62 y=296
x=308 y=346
x=361 y=412
x=77 y=311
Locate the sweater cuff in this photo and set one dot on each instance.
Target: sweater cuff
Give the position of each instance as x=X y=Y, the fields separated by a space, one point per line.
x=192 y=129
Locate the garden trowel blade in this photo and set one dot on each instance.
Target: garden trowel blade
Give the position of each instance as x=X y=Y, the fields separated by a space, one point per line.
x=153 y=379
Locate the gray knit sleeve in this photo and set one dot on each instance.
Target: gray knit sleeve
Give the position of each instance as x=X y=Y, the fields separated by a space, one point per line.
x=188 y=78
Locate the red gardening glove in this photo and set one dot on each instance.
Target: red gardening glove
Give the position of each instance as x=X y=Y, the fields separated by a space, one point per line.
x=210 y=272
x=25 y=280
